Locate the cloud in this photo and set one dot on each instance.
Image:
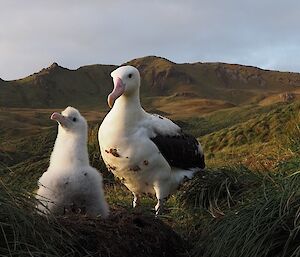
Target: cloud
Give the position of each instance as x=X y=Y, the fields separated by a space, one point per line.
x=74 y=33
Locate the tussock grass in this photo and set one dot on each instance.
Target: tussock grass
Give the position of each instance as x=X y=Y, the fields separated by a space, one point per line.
x=266 y=224
x=23 y=232
x=217 y=190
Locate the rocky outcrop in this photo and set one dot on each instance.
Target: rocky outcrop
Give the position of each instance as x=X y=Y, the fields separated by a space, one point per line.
x=245 y=75
x=172 y=75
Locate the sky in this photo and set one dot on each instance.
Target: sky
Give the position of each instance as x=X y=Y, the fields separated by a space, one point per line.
x=74 y=33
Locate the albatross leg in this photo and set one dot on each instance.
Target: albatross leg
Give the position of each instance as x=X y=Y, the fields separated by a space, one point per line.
x=159 y=207
x=161 y=193
x=136 y=200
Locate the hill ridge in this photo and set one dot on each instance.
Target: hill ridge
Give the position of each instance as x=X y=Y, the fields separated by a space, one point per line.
x=153 y=58
x=88 y=86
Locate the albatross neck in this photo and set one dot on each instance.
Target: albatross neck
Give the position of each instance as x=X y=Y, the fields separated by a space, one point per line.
x=70 y=149
x=128 y=108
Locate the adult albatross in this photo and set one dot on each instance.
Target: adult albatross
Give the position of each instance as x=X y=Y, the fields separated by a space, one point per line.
x=147 y=152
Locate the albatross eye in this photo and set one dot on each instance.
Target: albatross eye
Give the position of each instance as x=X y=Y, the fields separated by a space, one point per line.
x=130 y=75
x=74 y=119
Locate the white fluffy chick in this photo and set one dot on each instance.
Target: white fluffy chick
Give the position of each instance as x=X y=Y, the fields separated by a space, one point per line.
x=70 y=183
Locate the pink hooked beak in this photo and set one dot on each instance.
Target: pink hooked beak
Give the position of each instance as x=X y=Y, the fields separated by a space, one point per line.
x=119 y=88
x=58 y=117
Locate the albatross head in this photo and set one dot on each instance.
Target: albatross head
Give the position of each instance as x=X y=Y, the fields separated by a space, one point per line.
x=70 y=120
x=126 y=82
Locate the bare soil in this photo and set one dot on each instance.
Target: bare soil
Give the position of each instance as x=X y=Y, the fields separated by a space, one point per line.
x=125 y=234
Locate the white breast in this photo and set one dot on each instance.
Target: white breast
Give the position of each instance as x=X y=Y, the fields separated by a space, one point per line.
x=132 y=156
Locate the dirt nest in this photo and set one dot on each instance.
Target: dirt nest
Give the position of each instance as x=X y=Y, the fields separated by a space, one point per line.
x=124 y=234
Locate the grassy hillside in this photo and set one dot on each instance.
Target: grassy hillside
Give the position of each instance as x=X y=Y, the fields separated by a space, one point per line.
x=258 y=138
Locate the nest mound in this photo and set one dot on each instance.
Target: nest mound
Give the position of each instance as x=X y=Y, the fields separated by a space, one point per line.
x=125 y=234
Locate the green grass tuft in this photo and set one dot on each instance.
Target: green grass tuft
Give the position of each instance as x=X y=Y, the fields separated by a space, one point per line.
x=23 y=232
x=217 y=190
x=268 y=224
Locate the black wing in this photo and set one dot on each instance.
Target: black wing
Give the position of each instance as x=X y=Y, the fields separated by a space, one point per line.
x=181 y=151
